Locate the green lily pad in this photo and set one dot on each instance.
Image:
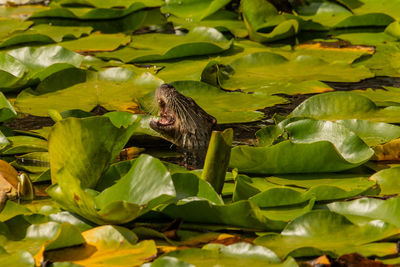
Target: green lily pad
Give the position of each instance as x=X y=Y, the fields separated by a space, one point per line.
x=239 y=214
x=262 y=72
x=345 y=105
x=239 y=254
x=28 y=66
x=42 y=57
x=372 y=133
x=72 y=190
x=391 y=8
x=138 y=187
x=12 y=209
x=327 y=231
x=296 y=189
x=388 y=181
x=264 y=22
x=325 y=13
x=385 y=210
x=106 y=245
x=385 y=60
x=324 y=146
x=109 y=94
x=21 y=258
x=11 y=72
x=7 y=111
x=108 y=4
x=185 y=70
x=193 y=9
x=382 y=97
x=222 y=20
x=85 y=13
x=156 y=47
x=57 y=235
x=97 y=42
x=45 y=34
x=24 y=144
x=8 y=26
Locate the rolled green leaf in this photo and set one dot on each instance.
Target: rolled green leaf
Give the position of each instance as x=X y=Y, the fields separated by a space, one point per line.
x=217 y=159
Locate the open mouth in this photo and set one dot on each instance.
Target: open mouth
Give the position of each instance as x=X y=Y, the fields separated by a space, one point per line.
x=165 y=120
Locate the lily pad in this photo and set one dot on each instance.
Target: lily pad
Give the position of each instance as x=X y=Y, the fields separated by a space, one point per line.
x=264 y=22
x=240 y=254
x=97 y=42
x=345 y=105
x=385 y=210
x=372 y=133
x=109 y=94
x=85 y=13
x=391 y=8
x=56 y=235
x=106 y=245
x=325 y=13
x=222 y=20
x=45 y=34
x=7 y=111
x=24 y=144
x=242 y=214
x=155 y=47
x=193 y=9
x=324 y=146
x=8 y=26
x=296 y=189
x=108 y=4
x=265 y=71
x=382 y=97
x=388 y=181
x=327 y=231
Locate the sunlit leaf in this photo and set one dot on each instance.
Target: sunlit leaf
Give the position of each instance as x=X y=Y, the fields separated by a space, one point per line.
x=261 y=15
x=194 y=10
x=56 y=235
x=345 y=105
x=155 y=47
x=265 y=72
x=241 y=254
x=239 y=214
x=97 y=42
x=388 y=181
x=107 y=245
x=297 y=189
x=325 y=147
x=111 y=95
x=326 y=231
x=323 y=12
x=86 y=13
x=8 y=26
x=372 y=133
x=223 y=20
x=385 y=210
x=24 y=144
x=389 y=7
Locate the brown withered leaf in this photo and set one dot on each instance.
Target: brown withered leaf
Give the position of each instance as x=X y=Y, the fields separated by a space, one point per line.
x=388 y=151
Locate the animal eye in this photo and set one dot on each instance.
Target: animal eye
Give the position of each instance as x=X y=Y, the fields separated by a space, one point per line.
x=161 y=103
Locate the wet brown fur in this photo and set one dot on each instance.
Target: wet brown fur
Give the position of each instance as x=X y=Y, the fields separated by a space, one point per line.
x=191 y=128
